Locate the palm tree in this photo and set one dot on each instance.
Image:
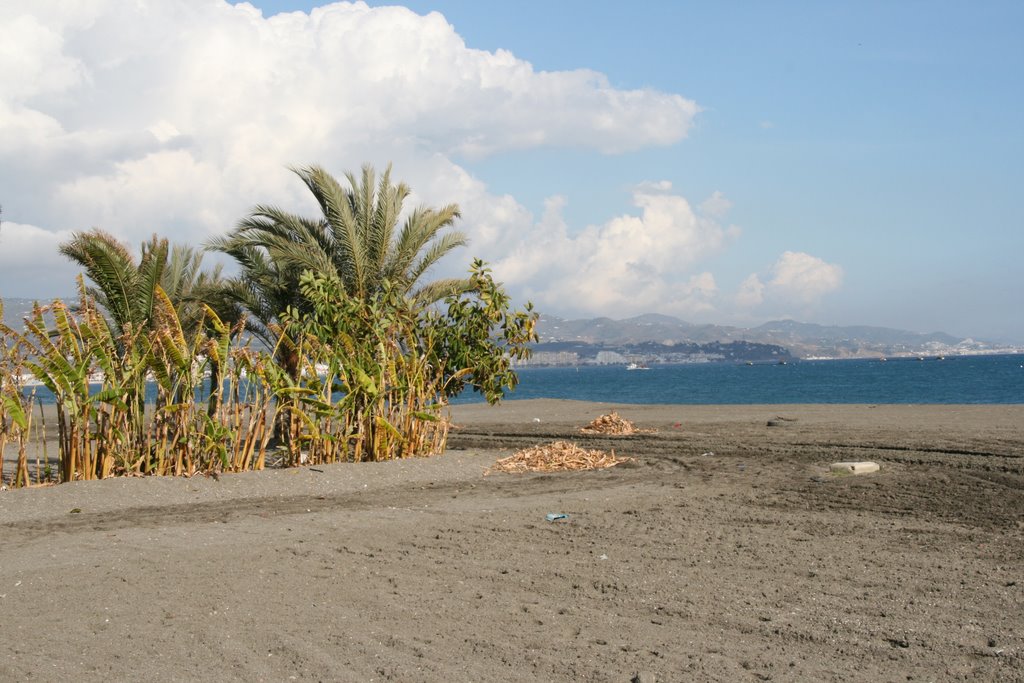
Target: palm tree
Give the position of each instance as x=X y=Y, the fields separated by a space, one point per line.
x=124 y=289
x=264 y=288
x=131 y=293
x=356 y=239
x=128 y=291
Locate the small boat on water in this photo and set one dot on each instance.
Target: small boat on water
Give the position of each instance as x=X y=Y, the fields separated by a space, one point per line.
x=637 y=366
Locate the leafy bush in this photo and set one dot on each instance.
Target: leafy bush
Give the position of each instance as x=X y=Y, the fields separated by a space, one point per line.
x=377 y=372
x=374 y=379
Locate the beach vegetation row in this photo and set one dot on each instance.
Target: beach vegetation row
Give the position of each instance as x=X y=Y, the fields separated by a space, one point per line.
x=328 y=345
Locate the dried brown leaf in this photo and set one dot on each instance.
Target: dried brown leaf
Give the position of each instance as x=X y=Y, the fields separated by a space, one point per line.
x=558 y=456
x=614 y=425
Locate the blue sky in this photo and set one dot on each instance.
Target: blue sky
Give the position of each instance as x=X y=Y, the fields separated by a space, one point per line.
x=841 y=163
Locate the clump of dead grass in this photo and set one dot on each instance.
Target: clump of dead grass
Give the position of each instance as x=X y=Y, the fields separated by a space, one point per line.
x=614 y=425
x=558 y=456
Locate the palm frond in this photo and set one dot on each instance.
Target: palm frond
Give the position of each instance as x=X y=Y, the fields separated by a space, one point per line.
x=437 y=250
x=110 y=267
x=354 y=241
x=349 y=254
x=150 y=273
x=181 y=271
x=390 y=199
x=420 y=227
x=435 y=291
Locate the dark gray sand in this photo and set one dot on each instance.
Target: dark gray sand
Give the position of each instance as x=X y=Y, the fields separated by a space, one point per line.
x=725 y=552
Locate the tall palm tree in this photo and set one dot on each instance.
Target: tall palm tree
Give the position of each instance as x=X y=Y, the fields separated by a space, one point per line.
x=124 y=289
x=137 y=297
x=128 y=291
x=356 y=239
x=264 y=288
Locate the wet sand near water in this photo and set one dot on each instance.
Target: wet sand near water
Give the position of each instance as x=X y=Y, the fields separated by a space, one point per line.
x=725 y=552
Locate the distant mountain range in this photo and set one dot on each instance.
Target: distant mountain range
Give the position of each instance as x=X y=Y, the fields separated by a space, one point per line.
x=804 y=340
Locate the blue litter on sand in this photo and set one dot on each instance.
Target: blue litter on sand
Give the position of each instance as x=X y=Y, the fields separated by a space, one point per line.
x=552 y=516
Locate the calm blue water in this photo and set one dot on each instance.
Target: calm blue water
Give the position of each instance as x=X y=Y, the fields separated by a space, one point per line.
x=958 y=379
x=964 y=379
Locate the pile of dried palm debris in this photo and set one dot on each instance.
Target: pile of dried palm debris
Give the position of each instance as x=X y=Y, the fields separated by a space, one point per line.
x=556 y=457
x=614 y=425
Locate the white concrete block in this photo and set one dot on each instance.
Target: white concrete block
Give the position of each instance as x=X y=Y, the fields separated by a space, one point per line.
x=863 y=467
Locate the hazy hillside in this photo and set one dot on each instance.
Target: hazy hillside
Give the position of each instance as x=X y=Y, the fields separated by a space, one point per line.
x=643 y=328
x=802 y=339
x=790 y=331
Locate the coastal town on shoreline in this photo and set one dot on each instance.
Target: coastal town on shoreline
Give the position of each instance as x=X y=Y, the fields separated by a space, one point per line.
x=656 y=339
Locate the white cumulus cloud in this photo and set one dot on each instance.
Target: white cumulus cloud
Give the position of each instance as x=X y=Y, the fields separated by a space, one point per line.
x=29 y=257
x=751 y=292
x=796 y=282
x=633 y=263
x=803 y=277
x=177 y=116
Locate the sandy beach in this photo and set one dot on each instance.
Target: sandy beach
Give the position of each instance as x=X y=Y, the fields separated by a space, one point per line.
x=725 y=552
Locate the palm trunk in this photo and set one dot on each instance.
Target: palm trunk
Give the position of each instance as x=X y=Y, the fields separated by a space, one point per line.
x=213 y=405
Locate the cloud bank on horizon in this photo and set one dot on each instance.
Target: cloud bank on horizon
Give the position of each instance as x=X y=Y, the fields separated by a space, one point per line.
x=176 y=117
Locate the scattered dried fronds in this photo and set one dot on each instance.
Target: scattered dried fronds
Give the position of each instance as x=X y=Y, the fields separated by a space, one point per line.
x=614 y=425
x=558 y=456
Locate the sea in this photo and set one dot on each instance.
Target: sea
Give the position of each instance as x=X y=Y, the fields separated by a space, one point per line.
x=995 y=379
x=955 y=379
